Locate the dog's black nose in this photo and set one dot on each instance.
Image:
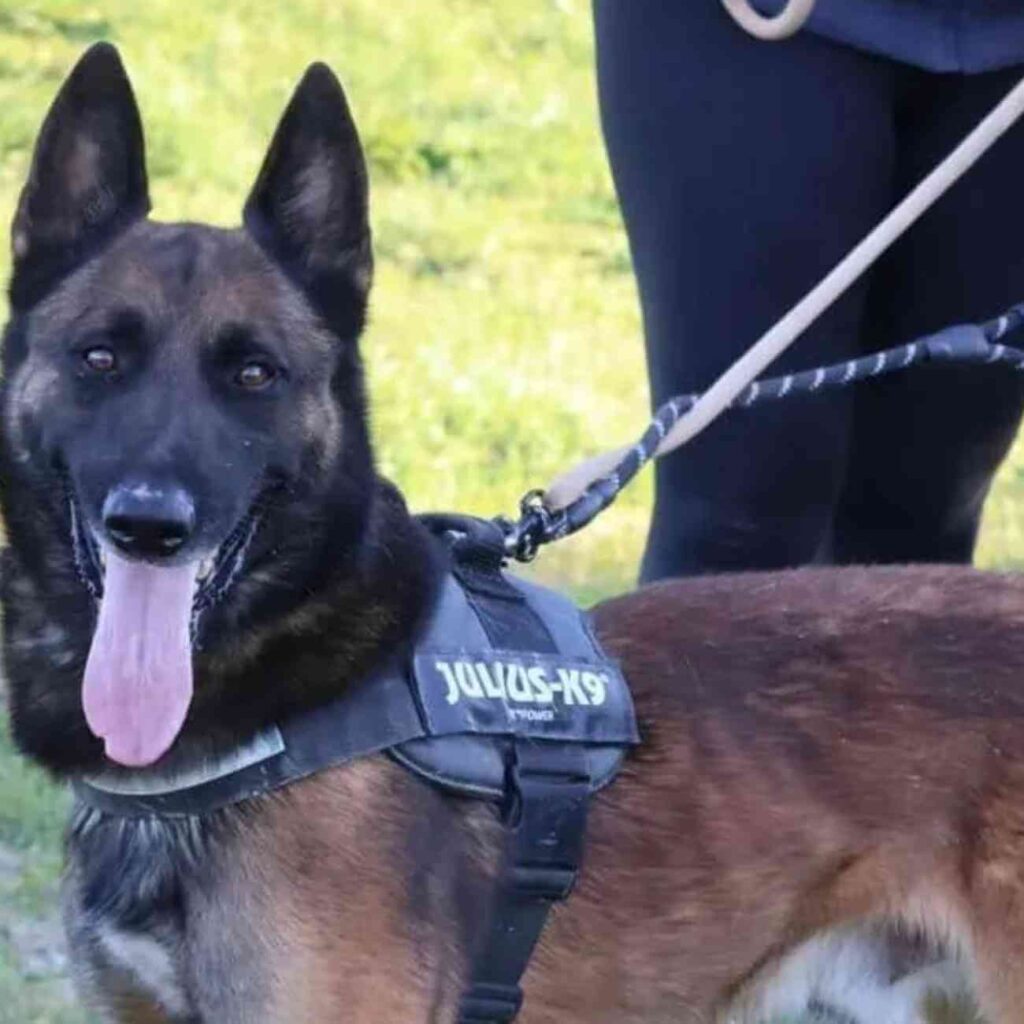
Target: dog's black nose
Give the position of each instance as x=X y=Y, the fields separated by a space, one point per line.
x=149 y=520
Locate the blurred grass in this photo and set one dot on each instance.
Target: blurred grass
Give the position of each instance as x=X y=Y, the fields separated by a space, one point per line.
x=505 y=340
x=32 y=813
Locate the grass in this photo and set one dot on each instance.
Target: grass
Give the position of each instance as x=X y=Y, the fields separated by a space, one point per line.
x=32 y=815
x=505 y=339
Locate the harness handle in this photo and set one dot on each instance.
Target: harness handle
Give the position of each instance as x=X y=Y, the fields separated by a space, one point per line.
x=786 y=23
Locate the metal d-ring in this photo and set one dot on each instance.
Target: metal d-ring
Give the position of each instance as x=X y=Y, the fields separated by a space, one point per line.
x=524 y=537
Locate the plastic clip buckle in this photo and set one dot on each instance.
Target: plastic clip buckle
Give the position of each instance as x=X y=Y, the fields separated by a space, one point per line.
x=490 y=1004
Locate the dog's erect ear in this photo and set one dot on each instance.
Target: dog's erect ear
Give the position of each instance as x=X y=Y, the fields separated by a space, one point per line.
x=308 y=208
x=88 y=176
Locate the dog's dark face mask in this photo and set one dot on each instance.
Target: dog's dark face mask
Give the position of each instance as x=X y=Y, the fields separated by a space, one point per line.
x=183 y=399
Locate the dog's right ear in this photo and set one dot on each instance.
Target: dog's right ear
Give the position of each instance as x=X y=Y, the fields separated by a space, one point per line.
x=308 y=208
x=88 y=176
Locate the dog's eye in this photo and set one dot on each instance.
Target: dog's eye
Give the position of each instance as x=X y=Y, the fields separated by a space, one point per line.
x=100 y=359
x=255 y=375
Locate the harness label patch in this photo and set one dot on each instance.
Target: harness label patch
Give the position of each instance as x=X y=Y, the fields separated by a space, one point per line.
x=516 y=693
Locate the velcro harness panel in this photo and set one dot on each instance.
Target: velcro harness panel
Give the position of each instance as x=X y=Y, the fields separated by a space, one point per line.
x=472 y=693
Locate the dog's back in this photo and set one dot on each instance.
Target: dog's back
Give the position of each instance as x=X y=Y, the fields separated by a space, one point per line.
x=826 y=809
x=826 y=749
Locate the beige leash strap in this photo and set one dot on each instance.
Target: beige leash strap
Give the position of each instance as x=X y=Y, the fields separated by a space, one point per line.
x=772 y=344
x=786 y=23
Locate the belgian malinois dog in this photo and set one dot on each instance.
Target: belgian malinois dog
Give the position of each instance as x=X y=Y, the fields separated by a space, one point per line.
x=827 y=808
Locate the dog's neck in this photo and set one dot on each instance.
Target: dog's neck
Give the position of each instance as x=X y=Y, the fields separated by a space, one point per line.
x=246 y=683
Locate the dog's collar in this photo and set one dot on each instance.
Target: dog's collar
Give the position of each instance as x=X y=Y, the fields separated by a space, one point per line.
x=448 y=712
x=154 y=784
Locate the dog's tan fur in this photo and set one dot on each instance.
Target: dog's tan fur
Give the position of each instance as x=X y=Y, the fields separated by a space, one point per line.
x=823 y=750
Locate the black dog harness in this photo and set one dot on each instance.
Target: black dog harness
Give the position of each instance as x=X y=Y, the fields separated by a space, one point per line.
x=507 y=697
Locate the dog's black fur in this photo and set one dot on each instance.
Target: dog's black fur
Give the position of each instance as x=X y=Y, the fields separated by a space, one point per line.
x=337 y=572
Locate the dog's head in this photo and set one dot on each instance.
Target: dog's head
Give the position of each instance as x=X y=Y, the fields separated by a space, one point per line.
x=181 y=402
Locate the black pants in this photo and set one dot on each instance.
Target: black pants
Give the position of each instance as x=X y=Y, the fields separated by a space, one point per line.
x=745 y=170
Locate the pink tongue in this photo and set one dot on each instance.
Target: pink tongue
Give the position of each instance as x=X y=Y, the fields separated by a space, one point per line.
x=138 y=677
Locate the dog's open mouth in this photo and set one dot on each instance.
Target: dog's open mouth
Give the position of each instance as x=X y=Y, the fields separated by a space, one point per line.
x=137 y=686
x=215 y=573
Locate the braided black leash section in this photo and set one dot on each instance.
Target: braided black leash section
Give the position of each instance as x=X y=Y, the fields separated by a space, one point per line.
x=967 y=343
x=996 y=330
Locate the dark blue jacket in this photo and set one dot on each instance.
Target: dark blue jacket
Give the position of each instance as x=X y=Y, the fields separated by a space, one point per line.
x=940 y=35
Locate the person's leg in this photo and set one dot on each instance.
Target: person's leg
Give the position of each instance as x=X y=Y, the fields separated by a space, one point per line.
x=926 y=444
x=745 y=170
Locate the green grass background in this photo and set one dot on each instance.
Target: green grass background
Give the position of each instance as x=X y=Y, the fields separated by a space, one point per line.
x=505 y=340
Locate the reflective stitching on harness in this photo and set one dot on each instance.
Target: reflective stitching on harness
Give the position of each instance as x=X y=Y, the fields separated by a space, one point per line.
x=261 y=747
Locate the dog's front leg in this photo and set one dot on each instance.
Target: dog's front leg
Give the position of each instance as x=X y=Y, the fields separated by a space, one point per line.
x=366 y=888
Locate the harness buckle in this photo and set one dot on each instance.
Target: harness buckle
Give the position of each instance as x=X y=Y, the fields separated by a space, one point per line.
x=490 y=1004
x=542 y=882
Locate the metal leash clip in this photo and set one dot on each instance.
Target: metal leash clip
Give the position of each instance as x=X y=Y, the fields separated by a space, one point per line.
x=524 y=537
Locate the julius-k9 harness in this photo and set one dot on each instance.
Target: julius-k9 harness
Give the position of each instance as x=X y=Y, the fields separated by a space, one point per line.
x=507 y=697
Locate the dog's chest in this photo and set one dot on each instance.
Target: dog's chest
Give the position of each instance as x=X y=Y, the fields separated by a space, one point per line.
x=150 y=923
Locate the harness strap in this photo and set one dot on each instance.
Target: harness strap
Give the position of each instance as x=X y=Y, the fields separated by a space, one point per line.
x=503 y=611
x=545 y=812
x=545 y=827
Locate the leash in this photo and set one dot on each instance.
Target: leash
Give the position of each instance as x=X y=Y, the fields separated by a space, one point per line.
x=575 y=497
x=539 y=523
x=778 y=338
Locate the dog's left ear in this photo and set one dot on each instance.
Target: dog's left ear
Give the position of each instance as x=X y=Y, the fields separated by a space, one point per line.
x=88 y=176
x=309 y=206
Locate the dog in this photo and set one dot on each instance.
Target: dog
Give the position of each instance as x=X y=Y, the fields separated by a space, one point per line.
x=826 y=812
